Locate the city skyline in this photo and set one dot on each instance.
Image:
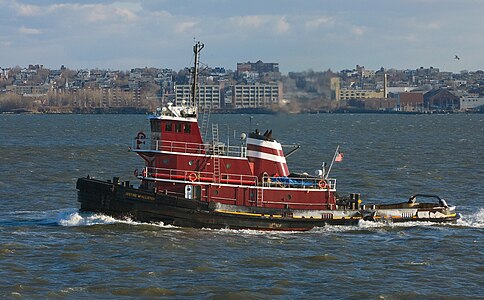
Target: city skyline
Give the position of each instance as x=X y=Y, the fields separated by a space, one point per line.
x=305 y=35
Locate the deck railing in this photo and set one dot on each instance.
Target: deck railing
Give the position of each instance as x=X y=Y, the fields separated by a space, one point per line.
x=193 y=148
x=239 y=179
x=305 y=183
x=196 y=176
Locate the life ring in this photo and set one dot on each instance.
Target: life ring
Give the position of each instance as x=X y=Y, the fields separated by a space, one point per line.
x=322 y=184
x=135 y=173
x=144 y=172
x=192 y=177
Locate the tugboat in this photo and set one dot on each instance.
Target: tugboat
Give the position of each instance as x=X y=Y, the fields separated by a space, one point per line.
x=189 y=182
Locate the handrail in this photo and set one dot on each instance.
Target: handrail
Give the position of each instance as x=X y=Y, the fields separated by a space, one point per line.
x=413 y=199
x=192 y=148
x=295 y=182
x=240 y=179
x=197 y=176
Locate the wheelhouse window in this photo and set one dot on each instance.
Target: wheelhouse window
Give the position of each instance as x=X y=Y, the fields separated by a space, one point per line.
x=178 y=127
x=188 y=128
x=168 y=126
x=155 y=126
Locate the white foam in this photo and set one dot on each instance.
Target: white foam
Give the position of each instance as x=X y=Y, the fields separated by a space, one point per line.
x=475 y=220
x=76 y=219
x=253 y=231
x=362 y=225
x=89 y=219
x=334 y=229
x=372 y=224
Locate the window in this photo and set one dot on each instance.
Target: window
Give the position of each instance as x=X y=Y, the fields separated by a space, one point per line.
x=178 y=127
x=168 y=126
x=188 y=128
x=155 y=126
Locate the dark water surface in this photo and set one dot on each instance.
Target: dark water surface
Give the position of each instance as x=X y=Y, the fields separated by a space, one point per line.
x=49 y=250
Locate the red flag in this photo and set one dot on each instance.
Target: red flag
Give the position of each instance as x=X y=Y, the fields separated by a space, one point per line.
x=339 y=157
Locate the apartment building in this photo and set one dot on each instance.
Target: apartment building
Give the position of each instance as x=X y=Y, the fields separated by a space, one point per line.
x=256 y=95
x=29 y=90
x=347 y=94
x=258 y=67
x=242 y=96
x=208 y=95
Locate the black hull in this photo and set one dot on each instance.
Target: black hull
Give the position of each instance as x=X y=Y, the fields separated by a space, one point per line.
x=123 y=201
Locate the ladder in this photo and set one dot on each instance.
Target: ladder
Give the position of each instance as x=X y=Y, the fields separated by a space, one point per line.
x=260 y=196
x=216 y=157
x=204 y=124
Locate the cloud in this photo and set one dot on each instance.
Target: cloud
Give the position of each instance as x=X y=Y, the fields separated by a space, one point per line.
x=247 y=21
x=358 y=30
x=27 y=10
x=278 y=24
x=282 y=25
x=319 y=22
x=160 y=14
x=185 y=26
x=126 y=14
x=430 y=25
x=102 y=12
x=29 y=31
x=121 y=31
x=92 y=13
x=6 y=43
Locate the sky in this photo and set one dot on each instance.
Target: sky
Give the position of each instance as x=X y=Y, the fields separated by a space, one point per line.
x=300 y=35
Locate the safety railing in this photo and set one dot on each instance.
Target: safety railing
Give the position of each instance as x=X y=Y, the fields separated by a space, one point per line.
x=192 y=148
x=195 y=176
x=305 y=183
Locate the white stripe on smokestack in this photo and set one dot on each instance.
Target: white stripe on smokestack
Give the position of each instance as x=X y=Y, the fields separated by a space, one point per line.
x=266 y=156
x=264 y=143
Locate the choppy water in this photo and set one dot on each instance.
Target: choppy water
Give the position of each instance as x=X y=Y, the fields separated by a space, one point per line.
x=49 y=250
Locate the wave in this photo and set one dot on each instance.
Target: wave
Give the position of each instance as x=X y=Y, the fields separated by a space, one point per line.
x=473 y=220
x=253 y=231
x=72 y=219
x=76 y=219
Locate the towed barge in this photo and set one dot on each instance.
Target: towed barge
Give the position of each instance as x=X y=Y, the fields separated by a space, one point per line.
x=189 y=182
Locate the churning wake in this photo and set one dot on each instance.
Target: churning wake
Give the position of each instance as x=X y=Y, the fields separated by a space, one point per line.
x=474 y=220
x=88 y=219
x=70 y=218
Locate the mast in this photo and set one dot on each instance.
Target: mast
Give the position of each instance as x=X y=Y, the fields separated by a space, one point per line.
x=196 y=51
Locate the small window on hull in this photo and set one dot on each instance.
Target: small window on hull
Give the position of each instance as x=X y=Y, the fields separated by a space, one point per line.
x=168 y=126
x=178 y=127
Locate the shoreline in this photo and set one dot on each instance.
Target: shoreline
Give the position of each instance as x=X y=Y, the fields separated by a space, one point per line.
x=140 y=111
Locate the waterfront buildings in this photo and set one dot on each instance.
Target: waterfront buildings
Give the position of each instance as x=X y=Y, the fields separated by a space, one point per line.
x=233 y=96
x=252 y=85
